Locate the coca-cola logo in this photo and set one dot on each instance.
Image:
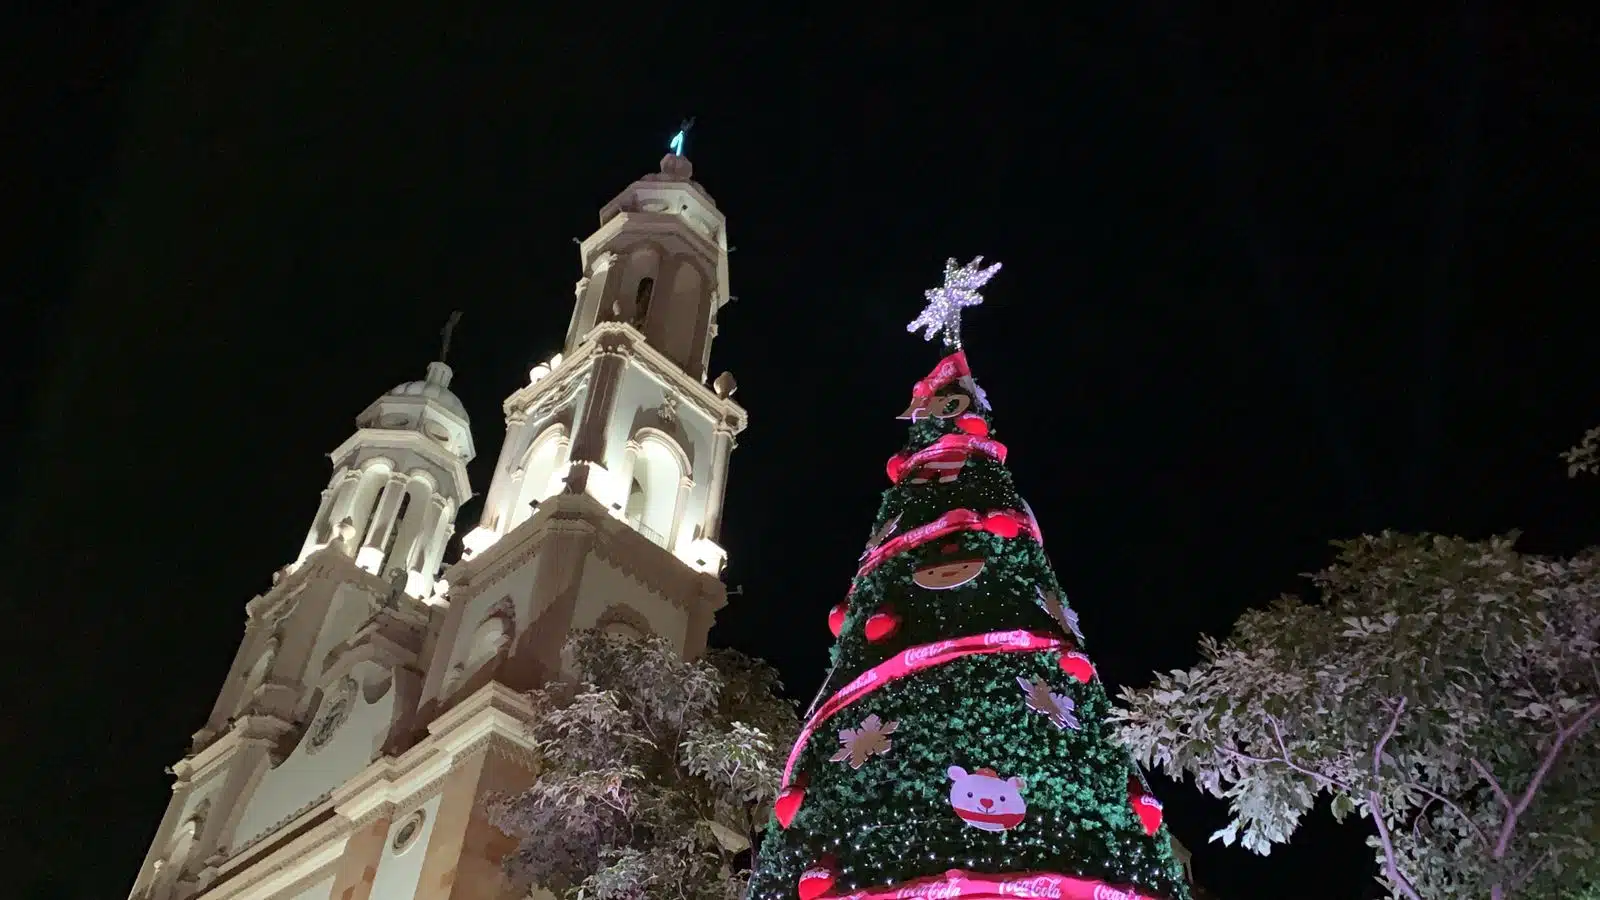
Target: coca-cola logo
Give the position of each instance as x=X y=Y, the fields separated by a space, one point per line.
x=865 y=679
x=1036 y=886
x=937 y=890
x=1007 y=639
x=926 y=652
x=1107 y=892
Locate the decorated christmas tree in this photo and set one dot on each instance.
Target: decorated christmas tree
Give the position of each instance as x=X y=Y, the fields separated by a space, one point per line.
x=959 y=746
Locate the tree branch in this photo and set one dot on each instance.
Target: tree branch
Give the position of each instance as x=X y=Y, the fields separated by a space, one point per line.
x=1429 y=792
x=1510 y=824
x=1285 y=760
x=1375 y=805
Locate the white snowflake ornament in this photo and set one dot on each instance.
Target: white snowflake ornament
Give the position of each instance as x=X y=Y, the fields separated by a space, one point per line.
x=1065 y=616
x=857 y=745
x=945 y=303
x=1059 y=707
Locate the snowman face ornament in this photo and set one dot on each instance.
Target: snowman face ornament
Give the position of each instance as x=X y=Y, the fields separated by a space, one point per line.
x=986 y=801
x=945 y=573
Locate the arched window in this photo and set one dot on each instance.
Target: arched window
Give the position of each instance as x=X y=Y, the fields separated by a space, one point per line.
x=658 y=471
x=539 y=473
x=641 y=300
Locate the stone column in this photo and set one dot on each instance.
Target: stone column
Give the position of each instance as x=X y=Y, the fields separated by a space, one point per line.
x=589 y=441
x=685 y=484
x=609 y=284
x=721 y=448
x=344 y=504
x=320 y=526
x=413 y=548
x=630 y=459
x=496 y=503
x=435 y=536
x=383 y=520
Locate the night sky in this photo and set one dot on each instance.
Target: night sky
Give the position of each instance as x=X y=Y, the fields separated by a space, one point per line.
x=1270 y=281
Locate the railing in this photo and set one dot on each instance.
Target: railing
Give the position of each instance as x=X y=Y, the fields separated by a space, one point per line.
x=656 y=537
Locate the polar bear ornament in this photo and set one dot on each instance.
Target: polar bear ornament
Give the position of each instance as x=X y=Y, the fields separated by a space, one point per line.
x=986 y=801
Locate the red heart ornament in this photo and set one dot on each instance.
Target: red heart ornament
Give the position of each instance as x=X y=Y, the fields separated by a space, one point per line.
x=972 y=423
x=1148 y=809
x=788 y=803
x=836 y=617
x=815 y=881
x=881 y=624
x=1077 y=665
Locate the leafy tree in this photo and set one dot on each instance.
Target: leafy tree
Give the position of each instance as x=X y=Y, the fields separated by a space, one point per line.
x=657 y=772
x=1447 y=690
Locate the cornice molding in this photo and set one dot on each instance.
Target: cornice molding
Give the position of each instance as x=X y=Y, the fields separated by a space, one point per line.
x=416 y=442
x=641 y=559
x=608 y=338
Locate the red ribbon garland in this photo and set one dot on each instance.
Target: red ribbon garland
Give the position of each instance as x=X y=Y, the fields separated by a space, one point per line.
x=949 y=369
x=912 y=660
x=949 y=444
x=998 y=522
x=957 y=883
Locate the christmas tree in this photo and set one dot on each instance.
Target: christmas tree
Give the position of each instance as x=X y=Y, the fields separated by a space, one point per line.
x=959 y=746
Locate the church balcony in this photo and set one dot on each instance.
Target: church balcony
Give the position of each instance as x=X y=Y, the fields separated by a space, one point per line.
x=656 y=537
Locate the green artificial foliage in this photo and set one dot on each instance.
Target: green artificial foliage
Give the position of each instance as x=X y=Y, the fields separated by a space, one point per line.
x=891 y=820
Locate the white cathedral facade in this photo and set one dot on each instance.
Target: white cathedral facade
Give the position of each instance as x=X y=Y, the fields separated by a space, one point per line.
x=376 y=699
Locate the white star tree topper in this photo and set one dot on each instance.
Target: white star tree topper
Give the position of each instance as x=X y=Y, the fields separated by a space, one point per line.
x=945 y=303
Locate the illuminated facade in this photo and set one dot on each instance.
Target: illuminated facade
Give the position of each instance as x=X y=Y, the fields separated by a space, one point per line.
x=376 y=698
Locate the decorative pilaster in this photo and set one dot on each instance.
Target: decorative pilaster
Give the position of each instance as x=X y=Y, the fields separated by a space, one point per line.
x=496 y=504
x=435 y=536
x=630 y=459
x=589 y=443
x=722 y=447
x=685 y=484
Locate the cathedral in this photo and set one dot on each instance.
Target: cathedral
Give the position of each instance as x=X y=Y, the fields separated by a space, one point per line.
x=376 y=699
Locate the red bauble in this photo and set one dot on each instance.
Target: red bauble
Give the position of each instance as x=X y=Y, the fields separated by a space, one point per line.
x=1002 y=524
x=1077 y=665
x=1148 y=809
x=836 y=617
x=815 y=881
x=788 y=803
x=881 y=624
x=972 y=423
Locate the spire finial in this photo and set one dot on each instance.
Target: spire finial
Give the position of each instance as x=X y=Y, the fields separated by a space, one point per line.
x=676 y=144
x=445 y=334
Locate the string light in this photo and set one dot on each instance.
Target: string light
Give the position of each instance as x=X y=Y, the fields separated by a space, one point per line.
x=890 y=820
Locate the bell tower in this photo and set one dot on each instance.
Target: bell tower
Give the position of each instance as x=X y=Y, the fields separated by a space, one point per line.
x=606 y=504
x=377 y=705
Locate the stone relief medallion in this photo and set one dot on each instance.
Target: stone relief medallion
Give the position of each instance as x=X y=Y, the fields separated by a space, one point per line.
x=336 y=707
x=408 y=832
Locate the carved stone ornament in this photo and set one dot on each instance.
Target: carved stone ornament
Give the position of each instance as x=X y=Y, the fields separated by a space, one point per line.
x=406 y=835
x=336 y=708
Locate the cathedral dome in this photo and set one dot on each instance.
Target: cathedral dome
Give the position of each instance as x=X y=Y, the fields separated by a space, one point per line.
x=435 y=387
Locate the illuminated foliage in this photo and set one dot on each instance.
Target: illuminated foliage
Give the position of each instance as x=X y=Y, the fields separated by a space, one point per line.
x=657 y=773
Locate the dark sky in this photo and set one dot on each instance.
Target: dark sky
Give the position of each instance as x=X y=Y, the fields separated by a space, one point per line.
x=1270 y=281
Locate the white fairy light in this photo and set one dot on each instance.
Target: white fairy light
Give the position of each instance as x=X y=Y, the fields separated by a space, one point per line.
x=959 y=291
